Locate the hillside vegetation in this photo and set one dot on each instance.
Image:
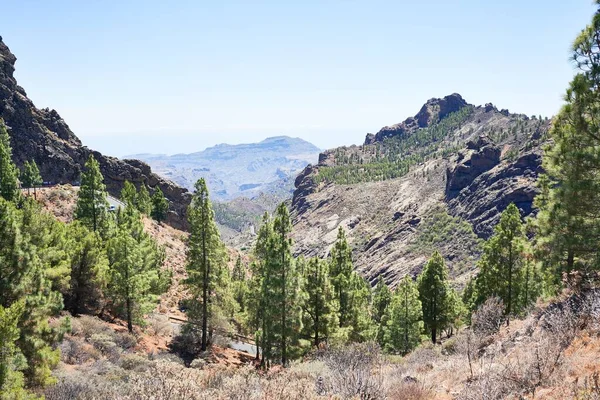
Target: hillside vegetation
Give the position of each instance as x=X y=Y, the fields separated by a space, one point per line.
x=463 y=284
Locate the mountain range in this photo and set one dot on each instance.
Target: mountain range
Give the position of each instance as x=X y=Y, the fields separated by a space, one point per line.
x=232 y=171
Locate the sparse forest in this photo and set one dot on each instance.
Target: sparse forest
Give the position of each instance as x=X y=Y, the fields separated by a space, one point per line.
x=82 y=310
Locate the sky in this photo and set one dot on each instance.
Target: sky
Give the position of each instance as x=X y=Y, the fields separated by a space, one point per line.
x=176 y=77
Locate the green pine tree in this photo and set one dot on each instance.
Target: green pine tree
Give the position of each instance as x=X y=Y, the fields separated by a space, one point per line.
x=143 y=202
x=501 y=270
x=24 y=277
x=404 y=318
x=381 y=299
x=352 y=291
x=135 y=279
x=92 y=206
x=30 y=177
x=11 y=359
x=569 y=218
x=129 y=194
x=88 y=270
x=434 y=294
x=284 y=299
x=320 y=308
x=160 y=205
x=9 y=174
x=205 y=264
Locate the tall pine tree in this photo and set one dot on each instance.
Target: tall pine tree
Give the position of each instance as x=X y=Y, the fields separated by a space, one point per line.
x=320 y=306
x=9 y=174
x=135 y=279
x=30 y=177
x=403 y=318
x=92 y=206
x=434 y=295
x=501 y=265
x=205 y=264
x=160 y=205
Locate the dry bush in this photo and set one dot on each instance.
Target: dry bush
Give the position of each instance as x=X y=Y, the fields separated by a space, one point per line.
x=409 y=389
x=134 y=362
x=106 y=345
x=160 y=325
x=75 y=351
x=86 y=326
x=488 y=318
x=354 y=371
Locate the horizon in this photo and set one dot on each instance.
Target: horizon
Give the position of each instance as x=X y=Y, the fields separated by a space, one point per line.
x=125 y=77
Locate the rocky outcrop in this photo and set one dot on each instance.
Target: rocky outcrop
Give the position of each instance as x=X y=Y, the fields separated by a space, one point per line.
x=482 y=201
x=42 y=135
x=480 y=155
x=432 y=111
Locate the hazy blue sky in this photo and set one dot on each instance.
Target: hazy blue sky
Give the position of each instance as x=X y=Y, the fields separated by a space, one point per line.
x=177 y=76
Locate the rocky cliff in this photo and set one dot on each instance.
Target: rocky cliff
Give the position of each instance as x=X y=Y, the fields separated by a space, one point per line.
x=438 y=180
x=42 y=135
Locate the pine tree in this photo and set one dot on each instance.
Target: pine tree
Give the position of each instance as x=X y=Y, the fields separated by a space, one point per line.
x=404 y=318
x=239 y=270
x=143 y=202
x=569 y=217
x=258 y=315
x=88 y=270
x=382 y=297
x=205 y=263
x=320 y=306
x=352 y=291
x=129 y=194
x=31 y=177
x=92 y=206
x=135 y=279
x=284 y=302
x=434 y=295
x=500 y=267
x=24 y=278
x=9 y=174
x=11 y=359
x=160 y=205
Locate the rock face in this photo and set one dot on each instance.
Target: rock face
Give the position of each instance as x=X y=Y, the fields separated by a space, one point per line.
x=42 y=135
x=481 y=155
x=490 y=192
x=480 y=166
x=432 y=111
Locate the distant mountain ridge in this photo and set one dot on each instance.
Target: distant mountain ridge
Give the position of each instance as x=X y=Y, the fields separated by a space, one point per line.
x=238 y=170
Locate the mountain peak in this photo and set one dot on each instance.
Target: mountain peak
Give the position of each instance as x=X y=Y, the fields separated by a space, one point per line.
x=434 y=110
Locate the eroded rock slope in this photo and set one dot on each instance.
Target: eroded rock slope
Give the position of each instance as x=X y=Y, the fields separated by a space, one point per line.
x=438 y=180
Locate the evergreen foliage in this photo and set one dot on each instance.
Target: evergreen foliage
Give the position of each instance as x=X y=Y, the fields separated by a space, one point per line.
x=205 y=266
x=129 y=194
x=30 y=177
x=404 y=318
x=143 y=202
x=88 y=270
x=24 y=278
x=135 y=278
x=92 y=206
x=504 y=270
x=9 y=174
x=352 y=291
x=434 y=294
x=320 y=308
x=160 y=205
x=396 y=155
x=569 y=218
